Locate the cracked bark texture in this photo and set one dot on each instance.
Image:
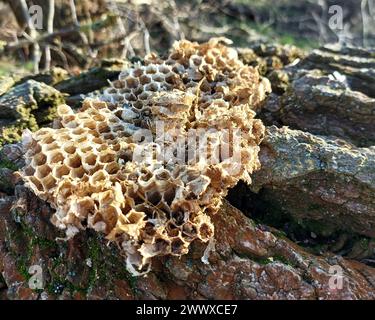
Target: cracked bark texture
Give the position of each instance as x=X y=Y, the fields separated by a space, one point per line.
x=330 y=92
x=93 y=79
x=310 y=178
x=317 y=178
x=27 y=105
x=250 y=261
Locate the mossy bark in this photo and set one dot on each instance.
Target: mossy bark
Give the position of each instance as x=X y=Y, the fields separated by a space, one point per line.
x=27 y=105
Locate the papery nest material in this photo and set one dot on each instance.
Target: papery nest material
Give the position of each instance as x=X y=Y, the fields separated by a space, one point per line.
x=97 y=172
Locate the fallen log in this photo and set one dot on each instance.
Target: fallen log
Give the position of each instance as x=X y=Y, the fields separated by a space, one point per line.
x=247 y=261
x=93 y=79
x=330 y=92
x=317 y=178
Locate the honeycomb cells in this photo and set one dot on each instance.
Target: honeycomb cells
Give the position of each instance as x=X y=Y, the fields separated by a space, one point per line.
x=85 y=166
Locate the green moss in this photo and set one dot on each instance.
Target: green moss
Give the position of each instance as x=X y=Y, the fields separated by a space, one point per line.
x=55 y=287
x=47 y=114
x=37 y=107
x=10 y=134
x=5 y=163
x=43 y=243
x=13 y=132
x=58 y=282
x=6 y=186
x=47 y=105
x=22 y=261
x=318 y=227
x=23 y=269
x=364 y=243
x=262 y=261
x=317 y=249
x=30 y=240
x=283 y=260
x=280 y=234
x=97 y=271
x=132 y=281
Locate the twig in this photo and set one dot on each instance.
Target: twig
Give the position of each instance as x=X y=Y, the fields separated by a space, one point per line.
x=50 y=18
x=48 y=37
x=33 y=35
x=128 y=46
x=146 y=37
x=74 y=12
x=62 y=56
x=367 y=12
x=76 y=22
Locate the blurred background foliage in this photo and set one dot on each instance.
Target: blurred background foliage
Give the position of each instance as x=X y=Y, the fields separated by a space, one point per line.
x=77 y=34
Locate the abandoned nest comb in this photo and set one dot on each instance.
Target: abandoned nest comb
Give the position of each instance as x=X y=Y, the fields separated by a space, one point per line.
x=97 y=172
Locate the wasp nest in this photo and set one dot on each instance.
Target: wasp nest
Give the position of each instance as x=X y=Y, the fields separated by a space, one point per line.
x=132 y=164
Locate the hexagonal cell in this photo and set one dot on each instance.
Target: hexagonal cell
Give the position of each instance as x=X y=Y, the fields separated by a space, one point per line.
x=43 y=171
x=112 y=168
x=178 y=218
x=144 y=96
x=118 y=84
x=79 y=131
x=178 y=246
x=48 y=182
x=137 y=72
x=153 y=197
x=77 y=173
x=39 y=159
x=169 y=195
x=69 y=148
x=60 y=171
x=85 y=148
x=103 y=127
x=98 y=117
x=205 y=231
x=55 y=156
x=161 y=245
x=118 y=98
x=47 y=139
x=69 y=123
x=165 y=69
x=110 y=216
x=189 y=229
x=131 y=82
x=144 y=79
x=49 y=147
x=107 y=156
x=151 y=69
x=36 y=183
x=171 y=78
x=40 y=134
x=89 y=159
x=98 y=141
x=99 y=177
x=62 y=137
x=153 y=86
x=124 y=91
x=29 y=170
x=73 y=161
x=158 y=77
x=135 y=217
